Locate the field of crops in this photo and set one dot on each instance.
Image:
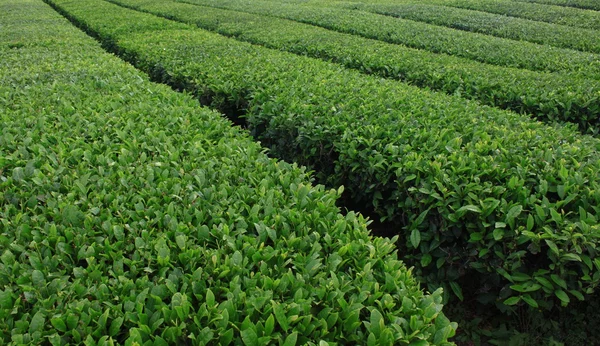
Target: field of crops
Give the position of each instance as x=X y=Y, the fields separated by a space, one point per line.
x=299 y=172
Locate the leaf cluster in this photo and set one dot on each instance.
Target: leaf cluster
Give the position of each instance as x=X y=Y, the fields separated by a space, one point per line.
x=472 y=189
x=585 y=40
x=130 y=215
x=582 y=4
x=473 y=46
x=549 y=97
x=529 y=10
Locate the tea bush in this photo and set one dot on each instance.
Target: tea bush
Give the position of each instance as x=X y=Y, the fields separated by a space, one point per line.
x=551 y=14
x=475 y=192
x=586 y=40
x=474 y=46
x=130 y=215
x=549 y=97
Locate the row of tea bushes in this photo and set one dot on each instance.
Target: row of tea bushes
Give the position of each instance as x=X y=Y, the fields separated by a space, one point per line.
x=586 y=40
x=570 y=16
x=131 y=215
x=474 y=46
x=549 y=97
x=583 y=4
x=474 y=191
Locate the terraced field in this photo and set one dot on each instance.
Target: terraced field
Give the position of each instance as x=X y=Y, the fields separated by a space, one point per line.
x=394 y=162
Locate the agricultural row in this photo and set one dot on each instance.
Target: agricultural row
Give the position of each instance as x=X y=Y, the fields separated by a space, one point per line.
x=549 y=97
x=586 y=40
x=585 y=4
x=474 y=191
x=569 y=16
x=566 y=5
x=474 y=46
x=131 y=215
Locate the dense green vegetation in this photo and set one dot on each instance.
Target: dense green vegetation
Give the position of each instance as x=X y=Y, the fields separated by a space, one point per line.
x=547 y=13
x=475 y=192
x=586 y=40
x=474 y=46
x=131 y=215
x=586 y=4
x=549 y=97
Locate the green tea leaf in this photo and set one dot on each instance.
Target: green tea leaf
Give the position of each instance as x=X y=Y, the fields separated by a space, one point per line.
x=269 y=325
x=562 y=296
x=457 y=290
x=280 y=316
x=291 y=339
x=210 y=298
x=552 y=246
x=513 y=213
x=249 y=337
x=512 y=301
x=527 y=299
x=37 y=322
x=558 y=280
x=59 y=324
x=415 y=238
x=115 y=326
x=472 y=208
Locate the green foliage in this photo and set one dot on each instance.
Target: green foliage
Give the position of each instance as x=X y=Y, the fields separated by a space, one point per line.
x=474 y=46
x=586 y=40
x=584 y=4
x=538 y=12
x=550 y=97
x=487 y=190
x=130 y=215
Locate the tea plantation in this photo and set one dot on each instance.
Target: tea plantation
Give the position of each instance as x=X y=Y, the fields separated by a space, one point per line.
x=299 y=172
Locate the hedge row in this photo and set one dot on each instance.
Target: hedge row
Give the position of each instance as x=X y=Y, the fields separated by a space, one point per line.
x=586 y=40
x=551 y=14
x=479 y=194
x=584 y=4
x=130 y=215
x=547 y=96
x=474 y=46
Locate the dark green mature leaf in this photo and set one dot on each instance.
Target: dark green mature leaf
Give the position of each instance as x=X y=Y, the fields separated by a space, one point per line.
x=59 y=324
x=291 y=339
x=280 y=315
x=559 y=281
x=415 y=238
x=249 y=337
x=37 y=322
x=269 y=325
x=471 y=208
x=562 y=296
x=457 y=290
x=512 y=300
x=527 y=299
x=153 y=48
x=115 y=326
x=513 y=213
x=552 y=246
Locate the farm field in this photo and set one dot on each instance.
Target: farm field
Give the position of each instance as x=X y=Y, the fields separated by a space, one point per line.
x=296 y=172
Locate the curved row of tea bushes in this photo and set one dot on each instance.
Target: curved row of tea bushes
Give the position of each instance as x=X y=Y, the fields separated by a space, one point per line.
x=549 y=97
x=474 y=46
x=476 y=193
x=570 y=16
x=131 y=215
x=584 y=4
x=586 y=40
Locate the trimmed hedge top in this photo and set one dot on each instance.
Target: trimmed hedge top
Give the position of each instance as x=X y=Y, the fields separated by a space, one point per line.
x=474 y=191
x=586 y=40
x=474 y=46
x=129 y=214
x=548 y=96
